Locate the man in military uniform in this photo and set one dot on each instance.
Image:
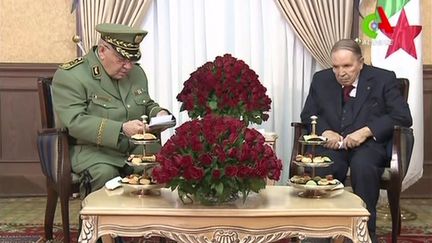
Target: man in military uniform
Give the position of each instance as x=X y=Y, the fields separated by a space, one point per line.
x=100 y=98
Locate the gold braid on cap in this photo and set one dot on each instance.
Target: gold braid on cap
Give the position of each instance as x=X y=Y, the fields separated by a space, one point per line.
x=127 y=54
x=121 y=44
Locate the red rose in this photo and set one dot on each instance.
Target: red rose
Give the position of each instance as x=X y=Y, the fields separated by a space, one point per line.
x=206 y=159
x=244 y=171
x=231 y=171
x=216 y=174
x=193 y=173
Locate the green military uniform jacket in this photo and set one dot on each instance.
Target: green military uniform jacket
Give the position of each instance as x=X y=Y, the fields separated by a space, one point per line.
x=93 y=107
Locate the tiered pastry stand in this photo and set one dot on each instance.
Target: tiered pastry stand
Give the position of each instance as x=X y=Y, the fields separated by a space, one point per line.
x=142 y=189
x=313 y=191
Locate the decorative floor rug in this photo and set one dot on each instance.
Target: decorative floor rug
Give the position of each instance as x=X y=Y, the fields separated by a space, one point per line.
x=34 y=234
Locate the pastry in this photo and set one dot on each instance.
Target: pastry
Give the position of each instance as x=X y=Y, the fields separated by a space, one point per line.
x=318 y=159
x=151 y=158
x=323 y=182
x=311 y=183
x=144 y=181
x=136 y=161
x=306 y=160
x=145 y=136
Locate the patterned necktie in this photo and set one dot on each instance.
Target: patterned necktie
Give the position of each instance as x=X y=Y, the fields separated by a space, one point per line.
x=346 y=91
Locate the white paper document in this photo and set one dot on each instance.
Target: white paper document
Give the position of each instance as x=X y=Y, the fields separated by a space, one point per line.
x=113 y=183
x=160 y=122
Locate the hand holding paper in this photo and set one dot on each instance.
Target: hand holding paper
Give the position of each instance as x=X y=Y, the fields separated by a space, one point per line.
x=162 y=122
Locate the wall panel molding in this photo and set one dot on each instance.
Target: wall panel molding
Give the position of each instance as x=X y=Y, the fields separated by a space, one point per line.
x=20 y=120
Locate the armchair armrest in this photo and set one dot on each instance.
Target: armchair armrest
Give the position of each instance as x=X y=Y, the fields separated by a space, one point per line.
x=402 y=146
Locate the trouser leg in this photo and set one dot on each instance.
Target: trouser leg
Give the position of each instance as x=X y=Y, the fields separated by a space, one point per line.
x=367 y=166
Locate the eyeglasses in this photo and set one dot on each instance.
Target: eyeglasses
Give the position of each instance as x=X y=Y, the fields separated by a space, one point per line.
x=119 y=59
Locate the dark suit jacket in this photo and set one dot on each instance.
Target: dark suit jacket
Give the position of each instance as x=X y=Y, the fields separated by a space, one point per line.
x=378 y=104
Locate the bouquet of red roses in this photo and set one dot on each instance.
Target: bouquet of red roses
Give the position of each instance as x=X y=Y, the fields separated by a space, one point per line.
x=226 y=86
x=215 y=158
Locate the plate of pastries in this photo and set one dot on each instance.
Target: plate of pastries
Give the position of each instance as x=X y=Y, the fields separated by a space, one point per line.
x=136 y=159
x=313 y=139
x=312 y=161
x=315 y=183
x=140 y=182
x=144 y=138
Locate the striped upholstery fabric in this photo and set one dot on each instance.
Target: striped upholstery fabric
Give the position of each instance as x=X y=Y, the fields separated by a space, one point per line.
x=48 y=145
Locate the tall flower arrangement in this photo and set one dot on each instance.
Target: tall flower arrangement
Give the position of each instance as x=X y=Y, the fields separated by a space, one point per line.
x=214 y=158
x=226 y=86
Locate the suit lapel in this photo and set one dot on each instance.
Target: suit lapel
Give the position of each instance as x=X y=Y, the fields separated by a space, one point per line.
x=335 y=90
x=364 y=88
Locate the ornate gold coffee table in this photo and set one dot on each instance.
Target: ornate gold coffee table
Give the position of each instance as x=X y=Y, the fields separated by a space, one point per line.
x=273 y=214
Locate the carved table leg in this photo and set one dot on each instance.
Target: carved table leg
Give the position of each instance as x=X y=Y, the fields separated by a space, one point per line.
x=89 y=230
x=361 y=234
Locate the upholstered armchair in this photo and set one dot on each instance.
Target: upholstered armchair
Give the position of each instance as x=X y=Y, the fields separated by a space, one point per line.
x=53 y=148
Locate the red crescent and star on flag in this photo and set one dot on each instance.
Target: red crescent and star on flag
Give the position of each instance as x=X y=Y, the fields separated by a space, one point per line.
x=402 y=35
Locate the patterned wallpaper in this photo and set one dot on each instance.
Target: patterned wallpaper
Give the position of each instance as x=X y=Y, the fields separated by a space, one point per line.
x=426 y=9
x=36 y=31
x=40 y=31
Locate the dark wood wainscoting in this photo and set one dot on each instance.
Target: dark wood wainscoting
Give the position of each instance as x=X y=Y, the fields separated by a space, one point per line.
x=422 y=188
x=20 y=172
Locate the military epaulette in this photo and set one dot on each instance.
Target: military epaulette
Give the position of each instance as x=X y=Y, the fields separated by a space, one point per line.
x=71 y=64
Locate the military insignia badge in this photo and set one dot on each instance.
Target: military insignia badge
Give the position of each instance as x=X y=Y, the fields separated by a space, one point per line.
x=139 y=91
x=138 y=38
x=96 y=71
x=71 y=64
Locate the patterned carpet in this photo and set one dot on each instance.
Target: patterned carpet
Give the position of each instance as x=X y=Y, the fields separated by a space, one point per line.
x=21 y=220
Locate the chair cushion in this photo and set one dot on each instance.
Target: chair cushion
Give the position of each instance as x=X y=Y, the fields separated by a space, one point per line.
x=48 y=152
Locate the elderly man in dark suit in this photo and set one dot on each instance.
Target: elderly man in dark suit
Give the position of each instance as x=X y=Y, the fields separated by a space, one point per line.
x=357 y=106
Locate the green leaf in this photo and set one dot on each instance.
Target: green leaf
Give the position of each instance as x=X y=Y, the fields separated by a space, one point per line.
x=213 y=105
x=219 y=187
x=257 y=184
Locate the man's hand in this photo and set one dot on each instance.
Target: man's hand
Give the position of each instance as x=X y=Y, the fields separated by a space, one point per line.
x=356 y=138
x=162 y=113
x=333 y=139
x=132 y=127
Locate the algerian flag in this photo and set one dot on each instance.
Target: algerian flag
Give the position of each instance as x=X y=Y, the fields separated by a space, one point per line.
x=404 y=57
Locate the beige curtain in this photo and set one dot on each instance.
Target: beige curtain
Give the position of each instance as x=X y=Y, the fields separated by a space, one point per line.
x=93 y=12
x=319 y=24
